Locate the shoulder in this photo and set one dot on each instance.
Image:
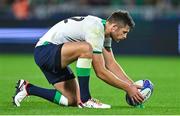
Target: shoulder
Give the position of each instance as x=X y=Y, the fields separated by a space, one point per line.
x=93 y=20
x=94 y=23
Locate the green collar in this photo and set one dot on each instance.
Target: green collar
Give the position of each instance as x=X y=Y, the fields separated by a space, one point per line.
x=103 y=22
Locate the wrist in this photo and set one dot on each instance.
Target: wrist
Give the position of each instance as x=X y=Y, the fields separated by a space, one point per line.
x=128 y=87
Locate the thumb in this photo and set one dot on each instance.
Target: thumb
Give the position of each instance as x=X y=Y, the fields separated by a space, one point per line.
x=138 y=86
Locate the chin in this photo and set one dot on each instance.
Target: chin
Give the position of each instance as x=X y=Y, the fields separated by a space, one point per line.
x=116 y=40
x=113 y=38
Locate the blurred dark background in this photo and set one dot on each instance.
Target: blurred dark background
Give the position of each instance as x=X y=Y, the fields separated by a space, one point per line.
x=22 y=22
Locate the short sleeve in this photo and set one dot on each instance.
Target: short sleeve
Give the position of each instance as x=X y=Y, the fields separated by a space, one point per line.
x=95 y=36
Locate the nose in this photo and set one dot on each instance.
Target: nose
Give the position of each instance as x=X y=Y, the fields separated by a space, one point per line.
x=125 y=35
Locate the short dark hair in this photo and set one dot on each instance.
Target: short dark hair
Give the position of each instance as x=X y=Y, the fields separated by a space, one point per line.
x=122 y=17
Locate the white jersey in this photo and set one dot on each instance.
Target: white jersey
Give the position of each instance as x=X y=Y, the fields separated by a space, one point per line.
x=75 y=29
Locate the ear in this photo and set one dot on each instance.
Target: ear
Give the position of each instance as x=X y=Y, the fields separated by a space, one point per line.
x=114 y=28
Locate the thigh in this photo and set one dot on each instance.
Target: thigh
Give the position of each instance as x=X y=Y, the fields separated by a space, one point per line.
x=72 y=50
x=48 y=58
x=64 y=74
x=69 y=89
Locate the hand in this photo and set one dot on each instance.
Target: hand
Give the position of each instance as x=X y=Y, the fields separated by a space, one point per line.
x=134 y=94
x=138 y=86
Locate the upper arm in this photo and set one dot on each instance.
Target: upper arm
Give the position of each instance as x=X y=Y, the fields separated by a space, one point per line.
x=98 y=63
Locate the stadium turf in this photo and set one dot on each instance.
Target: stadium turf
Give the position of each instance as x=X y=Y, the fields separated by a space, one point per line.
x=164 y=72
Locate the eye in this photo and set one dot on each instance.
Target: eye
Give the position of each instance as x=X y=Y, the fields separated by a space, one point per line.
x=124 y=32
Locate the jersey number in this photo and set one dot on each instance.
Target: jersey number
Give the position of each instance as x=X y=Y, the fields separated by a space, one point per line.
x=75 y=19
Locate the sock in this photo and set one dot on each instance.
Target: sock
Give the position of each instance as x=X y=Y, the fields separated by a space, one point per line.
x=49 y=94
x=83 y=68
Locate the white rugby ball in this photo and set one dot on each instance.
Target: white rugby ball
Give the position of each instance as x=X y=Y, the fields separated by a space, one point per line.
x=146 y=91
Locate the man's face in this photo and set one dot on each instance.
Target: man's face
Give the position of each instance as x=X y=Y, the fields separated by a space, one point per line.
x=119 y=33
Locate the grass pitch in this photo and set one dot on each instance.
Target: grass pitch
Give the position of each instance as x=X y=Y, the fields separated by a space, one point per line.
x=164 y=72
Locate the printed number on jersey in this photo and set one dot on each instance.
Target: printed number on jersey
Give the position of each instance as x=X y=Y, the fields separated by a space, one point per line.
x=74 y=18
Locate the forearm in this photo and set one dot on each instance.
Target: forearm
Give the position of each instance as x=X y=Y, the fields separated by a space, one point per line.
x=107 y=76
x=110 y=78
x=116 y=69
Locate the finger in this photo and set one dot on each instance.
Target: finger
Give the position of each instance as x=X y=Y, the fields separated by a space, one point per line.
x=139 y=87
x=136 y=99
x=132 y=100
x=141 y=97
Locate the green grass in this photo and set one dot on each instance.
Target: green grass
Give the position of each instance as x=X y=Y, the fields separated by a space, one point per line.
x=164 y=72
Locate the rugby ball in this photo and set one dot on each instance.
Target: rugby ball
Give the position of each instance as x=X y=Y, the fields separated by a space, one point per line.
x=146 y=91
